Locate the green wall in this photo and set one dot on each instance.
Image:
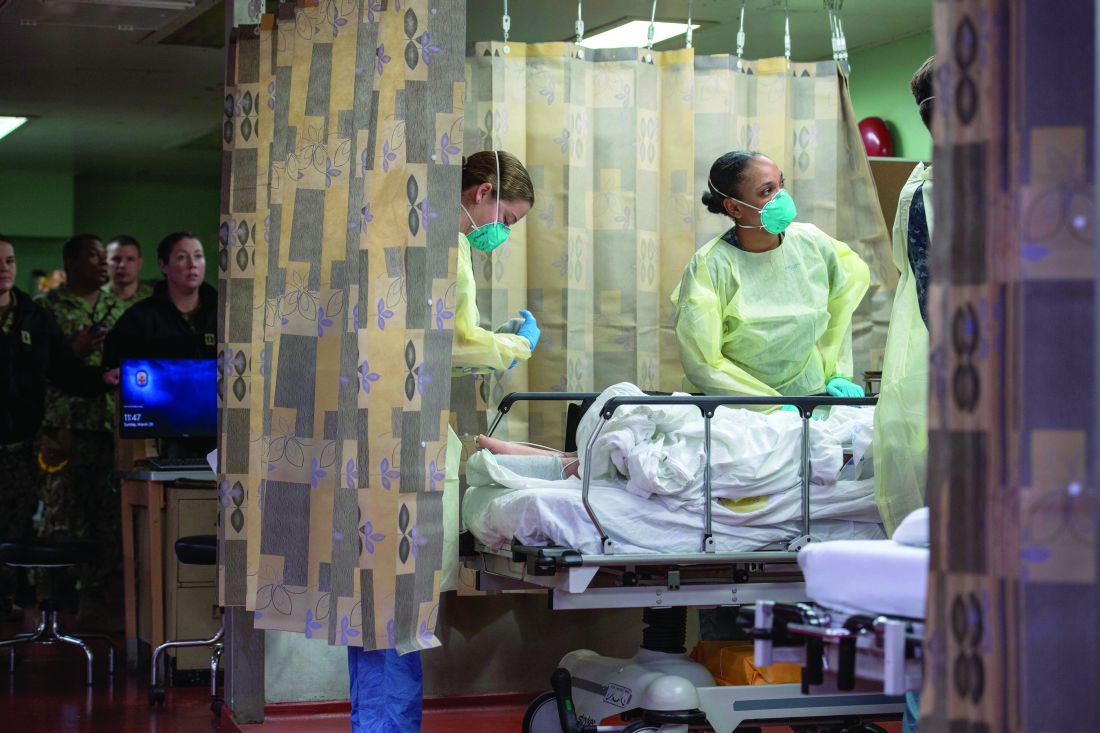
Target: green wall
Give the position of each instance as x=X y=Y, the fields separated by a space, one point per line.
x=879 y=83
x=40 y=211
x=149 y=211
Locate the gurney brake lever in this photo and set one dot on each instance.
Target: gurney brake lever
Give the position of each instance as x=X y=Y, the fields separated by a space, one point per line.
x=561 y=682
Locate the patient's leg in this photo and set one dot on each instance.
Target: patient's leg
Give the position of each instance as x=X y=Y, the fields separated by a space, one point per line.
x=530 y=461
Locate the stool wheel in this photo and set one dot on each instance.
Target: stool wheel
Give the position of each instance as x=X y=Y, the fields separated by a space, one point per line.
x=216 y=706
x=156 y=696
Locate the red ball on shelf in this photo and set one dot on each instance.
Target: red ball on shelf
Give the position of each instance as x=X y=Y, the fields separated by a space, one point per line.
x=877 y=140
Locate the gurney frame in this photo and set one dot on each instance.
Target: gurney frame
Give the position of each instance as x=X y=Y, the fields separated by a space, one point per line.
x=652 y=688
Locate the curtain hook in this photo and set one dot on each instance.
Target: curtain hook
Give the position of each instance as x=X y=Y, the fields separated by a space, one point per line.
x=836 y=28
x=579 y=27
x=828 y=4
x=787 y=34
x=842 y=40
x=649 y=42
x=741 y=37
x=689 y=24
x=506 y=23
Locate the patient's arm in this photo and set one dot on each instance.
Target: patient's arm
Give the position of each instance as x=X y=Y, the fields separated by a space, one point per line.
x=499 y=447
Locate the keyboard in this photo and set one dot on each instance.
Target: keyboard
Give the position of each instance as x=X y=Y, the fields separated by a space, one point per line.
x=187 y=463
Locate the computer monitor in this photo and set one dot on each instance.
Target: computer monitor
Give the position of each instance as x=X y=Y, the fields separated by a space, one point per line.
x=168 y=398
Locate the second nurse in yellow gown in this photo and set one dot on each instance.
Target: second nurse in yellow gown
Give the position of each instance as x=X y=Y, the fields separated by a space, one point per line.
x=765 y=309
x=496 y=193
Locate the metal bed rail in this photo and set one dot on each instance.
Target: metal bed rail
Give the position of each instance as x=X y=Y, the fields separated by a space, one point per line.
x=707 y=406
x=892 y=644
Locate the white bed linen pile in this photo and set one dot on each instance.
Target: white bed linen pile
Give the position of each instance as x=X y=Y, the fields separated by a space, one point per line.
x=552 y=514
x=658 y=452
x=647 y=482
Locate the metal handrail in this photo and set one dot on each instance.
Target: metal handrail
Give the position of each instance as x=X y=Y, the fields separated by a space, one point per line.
x=708 y=406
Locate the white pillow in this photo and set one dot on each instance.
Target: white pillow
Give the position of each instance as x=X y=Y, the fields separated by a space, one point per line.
x=913 y=530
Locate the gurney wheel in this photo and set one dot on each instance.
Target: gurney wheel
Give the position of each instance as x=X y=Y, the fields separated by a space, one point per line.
x=542 y=715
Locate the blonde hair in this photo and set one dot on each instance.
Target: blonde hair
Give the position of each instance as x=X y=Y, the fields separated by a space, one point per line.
x=515 y=183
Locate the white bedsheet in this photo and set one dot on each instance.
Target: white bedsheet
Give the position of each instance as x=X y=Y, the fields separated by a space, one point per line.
x=867 y=577
x=657 y=451
x=553 y=514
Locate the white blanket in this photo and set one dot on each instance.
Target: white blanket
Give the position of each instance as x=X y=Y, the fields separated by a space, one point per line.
x=850 y=500
x=658 y=451
x=552 y=514
x=647 y=482
x=881 y=577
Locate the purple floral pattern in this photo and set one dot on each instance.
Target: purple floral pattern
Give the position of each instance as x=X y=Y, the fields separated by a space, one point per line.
x=388 y=473
x=368 y=537
x=347 y=633
x=366 y=376
x=381 y=58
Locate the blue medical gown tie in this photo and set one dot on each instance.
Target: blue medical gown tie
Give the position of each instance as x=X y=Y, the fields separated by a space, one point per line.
x=386 y=691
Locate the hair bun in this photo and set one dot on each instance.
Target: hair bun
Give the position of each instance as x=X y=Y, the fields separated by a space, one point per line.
x=713 y=203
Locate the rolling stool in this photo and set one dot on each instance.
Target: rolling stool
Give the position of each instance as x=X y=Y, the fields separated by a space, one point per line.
x=199 y=549
x=47 y=554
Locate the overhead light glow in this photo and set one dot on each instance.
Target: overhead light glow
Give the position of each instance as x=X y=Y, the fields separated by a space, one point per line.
x=176 y=5
x=9 y=124
x=635 y=34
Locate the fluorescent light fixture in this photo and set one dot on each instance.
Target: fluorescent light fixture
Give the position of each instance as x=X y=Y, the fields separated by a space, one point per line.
x=635 y=34
x=177 y=5
x=9 y=125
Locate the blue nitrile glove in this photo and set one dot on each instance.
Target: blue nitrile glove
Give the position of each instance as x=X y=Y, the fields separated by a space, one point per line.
x=841 y=387
x=530 y=329
x=513 y=364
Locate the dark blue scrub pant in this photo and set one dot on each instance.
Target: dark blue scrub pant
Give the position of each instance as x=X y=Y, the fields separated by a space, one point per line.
x=386 y=691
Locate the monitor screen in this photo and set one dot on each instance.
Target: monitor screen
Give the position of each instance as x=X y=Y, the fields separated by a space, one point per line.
x=168 y=398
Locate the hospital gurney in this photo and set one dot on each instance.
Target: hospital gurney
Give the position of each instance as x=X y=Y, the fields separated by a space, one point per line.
x=660 y=688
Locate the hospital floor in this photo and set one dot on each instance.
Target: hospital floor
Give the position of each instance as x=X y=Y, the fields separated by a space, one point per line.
x=47 y=694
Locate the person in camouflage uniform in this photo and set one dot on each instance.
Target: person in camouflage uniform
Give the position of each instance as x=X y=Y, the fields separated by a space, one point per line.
x=124 y=263
x=76 y=446
x=32 y=351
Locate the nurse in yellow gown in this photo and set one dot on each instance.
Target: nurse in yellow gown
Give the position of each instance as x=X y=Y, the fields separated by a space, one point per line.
x=901 y=420
x=489 y=208
x=766 y=308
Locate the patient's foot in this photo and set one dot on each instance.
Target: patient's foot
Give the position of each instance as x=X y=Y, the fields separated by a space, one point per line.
x=500 y=447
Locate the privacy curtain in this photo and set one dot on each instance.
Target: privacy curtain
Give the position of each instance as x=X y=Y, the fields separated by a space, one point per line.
x=618 y=144
x=1012 y=638
x=342 y=147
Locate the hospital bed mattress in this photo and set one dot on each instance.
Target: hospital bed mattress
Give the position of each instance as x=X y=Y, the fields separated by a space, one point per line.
x=867 y=577
x=553 y=514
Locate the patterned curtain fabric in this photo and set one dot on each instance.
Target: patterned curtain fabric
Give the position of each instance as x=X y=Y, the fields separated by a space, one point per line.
x=619 y=149
x=342 y=138
x=1012 y=636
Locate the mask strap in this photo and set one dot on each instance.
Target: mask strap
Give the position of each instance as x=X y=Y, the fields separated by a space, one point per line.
x=736 y=223
x=734 y=198
x=473 y=224
x=925 y=100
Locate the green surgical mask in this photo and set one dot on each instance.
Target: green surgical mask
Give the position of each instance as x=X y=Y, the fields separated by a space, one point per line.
x=775 y=216
x=487 y=237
